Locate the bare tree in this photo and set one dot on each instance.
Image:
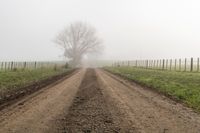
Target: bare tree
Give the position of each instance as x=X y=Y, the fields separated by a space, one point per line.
x=77 y=40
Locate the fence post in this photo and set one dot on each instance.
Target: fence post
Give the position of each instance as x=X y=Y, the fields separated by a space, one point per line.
x=17 y=64
x=11 y=65
x=8 y=65
x=175 y=64
x=191 y=65
x=5 y=66
x=142 y=63
x=157 y=64
x=160 y=64
x=197 y=64
x=14 y=65
x=139 y=63
x=163 y=64
x=1 y=65
x=35 y=64
x=147 y=64
x=150 y=64
x=185 y=69
x=166 y=64
x=24 y=65
x=179 y=64
x=170 y=65
x=136 y=63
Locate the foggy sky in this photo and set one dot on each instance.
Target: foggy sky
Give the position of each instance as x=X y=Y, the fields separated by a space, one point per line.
x=130 y=29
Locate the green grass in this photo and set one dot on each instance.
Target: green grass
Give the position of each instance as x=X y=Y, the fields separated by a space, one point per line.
x=183 y=86
x=10 y=80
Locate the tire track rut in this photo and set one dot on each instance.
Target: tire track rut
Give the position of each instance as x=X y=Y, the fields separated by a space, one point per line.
x=89 y=111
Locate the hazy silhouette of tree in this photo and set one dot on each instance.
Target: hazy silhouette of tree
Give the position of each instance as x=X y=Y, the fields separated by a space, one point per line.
x=77 y=40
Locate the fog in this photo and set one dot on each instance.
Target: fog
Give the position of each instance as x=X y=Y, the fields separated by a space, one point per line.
x=130 y=29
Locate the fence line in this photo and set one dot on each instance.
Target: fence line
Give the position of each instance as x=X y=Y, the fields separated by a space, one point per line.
x=186 y=64
x=30 y=65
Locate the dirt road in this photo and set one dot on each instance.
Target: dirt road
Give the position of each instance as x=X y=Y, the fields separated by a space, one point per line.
x=39 y=112
x=147 y=111
x=93 y=100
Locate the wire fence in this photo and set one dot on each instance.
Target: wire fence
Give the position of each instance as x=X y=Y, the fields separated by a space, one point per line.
x=6 y=66
x=187 y=64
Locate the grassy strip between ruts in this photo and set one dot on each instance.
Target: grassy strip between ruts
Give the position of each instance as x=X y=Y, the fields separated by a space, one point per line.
x=10 y=80
x=183 y=86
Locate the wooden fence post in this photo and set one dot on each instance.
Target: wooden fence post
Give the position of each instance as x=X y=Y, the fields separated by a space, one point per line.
x=142 y=63
x=136 y=63
x=35 y=64
x=191 y=65
x=14 y=65
x=197 y=64
x=151 y=64
x=8 y=65
x=163 y=64
x=185 y=69
x=5 y=66
x=1 y=65
x=24 y=65
x=157 y=64
x=160 y=65
x=166 y=64
x=175 y=64
x=179 y=64
x=139 y=63
x=11 y=65
x=147 y=63
x=170 y=65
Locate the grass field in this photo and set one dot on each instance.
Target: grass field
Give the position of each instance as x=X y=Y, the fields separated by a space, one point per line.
x=183 y=86
x=15 y=79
